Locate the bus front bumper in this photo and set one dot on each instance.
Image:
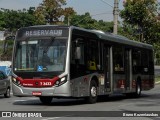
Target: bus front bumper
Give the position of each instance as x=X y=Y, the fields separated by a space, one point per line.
x=46 y=91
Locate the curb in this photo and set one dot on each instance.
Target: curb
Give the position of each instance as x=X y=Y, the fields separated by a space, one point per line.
x=157 y=82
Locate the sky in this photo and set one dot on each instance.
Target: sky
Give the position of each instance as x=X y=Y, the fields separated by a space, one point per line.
x=99 y=9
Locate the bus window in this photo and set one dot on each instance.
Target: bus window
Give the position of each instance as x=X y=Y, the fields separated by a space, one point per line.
x=145 y=61
x=118 y=59
x=46 y=54
x=136 y=61
x=151 y=63
x=78 y=43
x=92 y=55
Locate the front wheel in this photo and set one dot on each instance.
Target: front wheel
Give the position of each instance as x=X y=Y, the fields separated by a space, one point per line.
x=93 y=93
x=46 y=100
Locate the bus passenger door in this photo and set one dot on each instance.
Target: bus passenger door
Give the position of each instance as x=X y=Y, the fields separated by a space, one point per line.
x=128 y=68
x=106 y=58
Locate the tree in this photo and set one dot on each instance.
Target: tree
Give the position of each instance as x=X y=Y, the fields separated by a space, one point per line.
x=68 y=13
x=2 y=21
x=50 y=11
x=141 y=16
x=86 y=21
x=12 y=20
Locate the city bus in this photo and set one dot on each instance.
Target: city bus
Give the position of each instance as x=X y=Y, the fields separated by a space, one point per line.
x=70 y=62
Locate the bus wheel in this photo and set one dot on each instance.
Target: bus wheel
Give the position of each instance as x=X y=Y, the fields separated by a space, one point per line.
x=93 y=93
x=7 y=94
x=138 y=89
x=46 y=100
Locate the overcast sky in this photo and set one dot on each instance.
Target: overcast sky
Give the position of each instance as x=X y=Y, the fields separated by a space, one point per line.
x=97 y=8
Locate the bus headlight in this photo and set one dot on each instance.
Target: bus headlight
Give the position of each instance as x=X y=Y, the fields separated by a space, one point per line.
x=61 y=81
x=16 y=82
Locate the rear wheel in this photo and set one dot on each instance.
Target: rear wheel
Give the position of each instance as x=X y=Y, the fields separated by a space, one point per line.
x=46 y=100
x=137 y=93
x=7 y=94
x=93 y=93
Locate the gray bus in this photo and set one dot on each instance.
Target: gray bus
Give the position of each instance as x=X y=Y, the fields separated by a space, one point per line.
x=66 y=61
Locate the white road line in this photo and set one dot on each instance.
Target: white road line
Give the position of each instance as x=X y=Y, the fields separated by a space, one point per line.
x=51 y=118
x=27 y=99
x=20 y=100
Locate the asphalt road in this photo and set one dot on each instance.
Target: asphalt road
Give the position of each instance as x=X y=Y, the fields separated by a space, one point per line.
x=157 y=70
x=149 y=101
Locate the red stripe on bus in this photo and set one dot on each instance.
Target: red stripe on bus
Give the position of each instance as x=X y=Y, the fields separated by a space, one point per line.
x=37 y=82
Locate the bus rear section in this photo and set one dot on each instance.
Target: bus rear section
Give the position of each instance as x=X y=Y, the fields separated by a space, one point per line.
x=39 y=63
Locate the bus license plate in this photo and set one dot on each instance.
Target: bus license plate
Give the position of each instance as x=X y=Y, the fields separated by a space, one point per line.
x=36 y=93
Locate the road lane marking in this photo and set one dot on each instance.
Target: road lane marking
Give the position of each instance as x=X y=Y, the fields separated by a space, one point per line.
x=20 y=100
x=57 y=117
x=26 y=99
x=51 y=118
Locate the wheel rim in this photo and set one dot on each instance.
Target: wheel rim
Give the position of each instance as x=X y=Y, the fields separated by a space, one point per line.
x=93 y=91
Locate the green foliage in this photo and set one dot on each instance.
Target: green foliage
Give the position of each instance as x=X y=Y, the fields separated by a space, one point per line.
x=86 y=21
x=2 y=22
x=140 y=16
x=6 y=54
x=1 y=47
x=13 y=20
x=50 y=11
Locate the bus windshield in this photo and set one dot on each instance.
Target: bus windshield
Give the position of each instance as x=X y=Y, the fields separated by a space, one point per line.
x=40 y=55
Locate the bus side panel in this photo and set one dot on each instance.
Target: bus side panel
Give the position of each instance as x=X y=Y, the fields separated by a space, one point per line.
x=147 y=82
x=119 y=83
x=80 y=86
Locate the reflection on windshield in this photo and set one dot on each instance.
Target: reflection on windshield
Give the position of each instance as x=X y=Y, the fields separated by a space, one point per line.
x=40 y=55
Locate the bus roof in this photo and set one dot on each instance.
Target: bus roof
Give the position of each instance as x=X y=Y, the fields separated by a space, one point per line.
x=99 y=34
x=116 y=38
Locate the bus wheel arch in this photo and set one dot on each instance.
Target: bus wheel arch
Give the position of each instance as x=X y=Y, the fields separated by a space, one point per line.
x=7 y=93
x=93 y=90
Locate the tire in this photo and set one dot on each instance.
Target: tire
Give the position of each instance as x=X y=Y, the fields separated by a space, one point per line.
x=137 y=93
x=46 y=100
x=92 y=93
x=7 y=94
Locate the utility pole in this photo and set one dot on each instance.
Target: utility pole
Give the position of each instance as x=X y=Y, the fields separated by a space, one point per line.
x=115 y=16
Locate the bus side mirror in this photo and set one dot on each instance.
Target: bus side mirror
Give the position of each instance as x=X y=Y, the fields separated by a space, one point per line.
x=78 y=53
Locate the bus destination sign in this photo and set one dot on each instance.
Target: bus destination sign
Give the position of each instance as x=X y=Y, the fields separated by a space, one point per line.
x=43 y=33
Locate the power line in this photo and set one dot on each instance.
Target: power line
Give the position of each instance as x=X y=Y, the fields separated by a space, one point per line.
x=90 y=16
x=115 y=13
x=101 y=14
x=107 y=3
